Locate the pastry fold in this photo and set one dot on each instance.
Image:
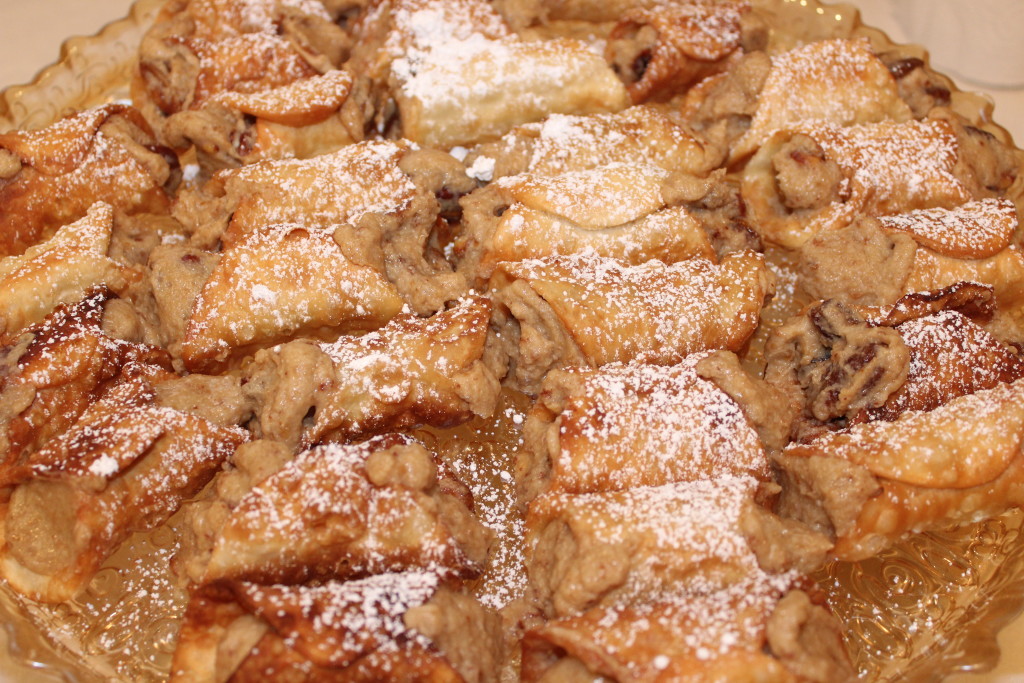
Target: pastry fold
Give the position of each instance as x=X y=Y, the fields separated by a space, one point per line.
x=923 y=470
x=51 y=177
x=814 y=177
x=587 y=550
x=563 y=143
x=339 y=512
x=52 y=377
x=623 y=426
x=61 y=270
x=242 y=81
x=126 y=465
x=837 y=81
x=586 y=310
x=326 y=191
x=279 y=282
x=614 y=211
x=412 y=371
x=456 y=93
x=659 y=51
x=388 y=627
x=744 y=633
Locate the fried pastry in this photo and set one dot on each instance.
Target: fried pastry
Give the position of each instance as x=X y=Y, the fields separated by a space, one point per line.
x=614 y=212
x=302 y=119
x=54 y=373
x=744 y=633
x=876 y=262
x=280 y=282
x=659 y=51
x=245 y=80
x=623 y=426
x=338 y=512
x=447 y=97
x=570 y=311
x=812 y=178
x=923 y=470
x=317 y=193
x=98 y=155
x=631 y=546
x=61 y=270
x=837 y=81
x=412 y=371
x=388 y=627
x=126 y=465
x=562 y=144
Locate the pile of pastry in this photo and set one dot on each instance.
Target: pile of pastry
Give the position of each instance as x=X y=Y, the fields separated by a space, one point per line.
x=764 y=293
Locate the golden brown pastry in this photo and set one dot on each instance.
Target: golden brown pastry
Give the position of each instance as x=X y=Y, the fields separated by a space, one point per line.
x=279 y=282
x=126 y=465
x=60 y=270
x=376 y=198
x=317 y=193
x=448 y=97
x=837 y=81
x=58 y=369
x=876 y=262
x=347 y=511
x=744 y=633
x=658 y=51
x=412 y=371
x=586 y=550
x=246 y=79
x=815 y=177
x=302 y=119
x=871 y=484
x=388 y=627
x=623 y=426
x=104 y=154
x=614 y=211
x=562 y=143
x=586 y=310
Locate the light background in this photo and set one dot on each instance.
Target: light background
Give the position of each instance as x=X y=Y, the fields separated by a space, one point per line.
x=31 y=32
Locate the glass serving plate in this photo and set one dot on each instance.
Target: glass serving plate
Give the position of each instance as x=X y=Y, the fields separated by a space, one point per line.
x=930 y=607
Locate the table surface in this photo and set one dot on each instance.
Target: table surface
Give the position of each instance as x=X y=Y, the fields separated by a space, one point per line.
x=30 y=38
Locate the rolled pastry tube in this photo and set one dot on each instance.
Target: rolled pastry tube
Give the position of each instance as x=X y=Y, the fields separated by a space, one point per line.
x=317 y=193
x=876 y=262
x=455 y=94
x=377 y=199
x=605 y=548
x=97 y=155
x=61 y=270
x=623 y=426
x=564 y=143
x=338 y=512
x=408 y=29
x=924 y=470
x=412 y=371
x=387 y=627
x=658 y=51
x=840 y=82
x=279 y=282
x=126 y=465
x=560 y=312
x=302 y=119
x=66 y=364
x=614 y=212
x=200 y=53
x=950 y=356
x=972 y=243
x=746 y=632
x=813 y=177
